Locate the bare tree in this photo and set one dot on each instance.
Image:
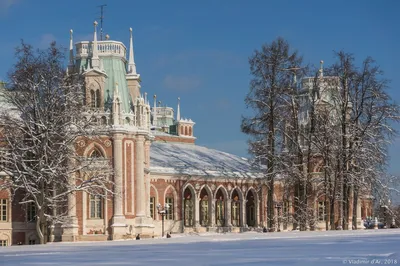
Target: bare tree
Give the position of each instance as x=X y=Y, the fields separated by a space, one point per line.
x=40 y=130
x=268 y=98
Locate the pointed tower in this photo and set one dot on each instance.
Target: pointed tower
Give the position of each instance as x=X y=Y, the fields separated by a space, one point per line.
x=71 y=62
x=184 y=127
x=132 y=77
x=95 y=52
x=155 y=111
x=178 y=111
x=116 y=110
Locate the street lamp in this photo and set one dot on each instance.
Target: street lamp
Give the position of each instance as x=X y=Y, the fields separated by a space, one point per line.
x=278 y=207
x=162 y=210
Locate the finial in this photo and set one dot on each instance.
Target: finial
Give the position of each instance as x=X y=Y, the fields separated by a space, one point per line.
x=107 y=37
x=71 y=50
x=131 y=61
x=95 y=53
x=154 y=96
x=321 y=69
x=178 y=111
x=95 y=23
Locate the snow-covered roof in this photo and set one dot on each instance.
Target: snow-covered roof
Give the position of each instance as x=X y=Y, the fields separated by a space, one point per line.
x=190 y=159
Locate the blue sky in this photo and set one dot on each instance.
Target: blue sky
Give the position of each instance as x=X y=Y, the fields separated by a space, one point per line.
x=198 y=50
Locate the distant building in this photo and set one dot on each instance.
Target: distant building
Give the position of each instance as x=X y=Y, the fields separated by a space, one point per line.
x=155 y=160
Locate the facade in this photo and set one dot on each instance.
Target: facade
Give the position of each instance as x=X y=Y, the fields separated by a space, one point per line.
x=156 y=164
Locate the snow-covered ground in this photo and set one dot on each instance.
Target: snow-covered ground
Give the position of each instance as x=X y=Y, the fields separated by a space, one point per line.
x=286 y=248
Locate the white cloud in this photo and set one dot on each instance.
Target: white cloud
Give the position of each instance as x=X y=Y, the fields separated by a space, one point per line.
x=181 y=83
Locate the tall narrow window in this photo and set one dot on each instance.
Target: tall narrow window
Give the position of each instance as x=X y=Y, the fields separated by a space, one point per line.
x=204 y=212
x=321 y=211
x=188 y=203
x=235 y=213
x=95 y=207
x=170 y=214
x=92 y=98
x=97 y=98
x=3 y=210
x=31 y=212
x=220 y=217
x=3 y=243
x=152 y=209
x=32 y=242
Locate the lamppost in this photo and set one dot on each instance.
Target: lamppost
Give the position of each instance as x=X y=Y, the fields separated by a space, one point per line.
x=162 y=210
x=278 y=207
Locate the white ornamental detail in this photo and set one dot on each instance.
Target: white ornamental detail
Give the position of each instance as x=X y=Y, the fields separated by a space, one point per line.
x=212 y=187
x=107 y=143
x=197 y=186
x=81 y=143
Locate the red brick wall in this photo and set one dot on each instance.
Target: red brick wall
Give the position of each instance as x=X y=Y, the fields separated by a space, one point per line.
x=175 y=139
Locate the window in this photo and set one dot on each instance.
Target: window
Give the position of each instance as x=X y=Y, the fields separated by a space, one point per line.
x=3 y=210
x=152 y=209
x=3 y=243
x=170 y=213
x=95 y=207
x=235 y=213
x=31 y=212
x=32 y=242
x=94 y=98
x=220 y=213
x=204 y=212
x=321 y=211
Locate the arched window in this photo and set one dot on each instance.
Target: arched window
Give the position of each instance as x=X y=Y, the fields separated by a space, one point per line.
x=204 y=210
x=95 y=98
x=96 y=207
x=235 y=212
x=92 y=98
x=220 y=209
x=188 y=208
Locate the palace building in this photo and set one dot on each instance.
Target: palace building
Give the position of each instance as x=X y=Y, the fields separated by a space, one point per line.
x=160 y=174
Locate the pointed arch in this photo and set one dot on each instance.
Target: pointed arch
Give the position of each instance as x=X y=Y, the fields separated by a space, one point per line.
x=236 y=198
x=205 y=205
x=208 y=189
x=154 y=202
x=224 y=192
x=239 y=192
x=251 y=207
x=172 y=215
x=94 y=146
x=189 y=205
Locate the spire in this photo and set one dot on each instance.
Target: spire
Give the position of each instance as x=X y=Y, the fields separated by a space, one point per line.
x=116 y=105
x=116 y=91
x=178 y=111
x=131 y=62
x=71 y=48
x=321 y=69
x=155 y=110
x=95 y=54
